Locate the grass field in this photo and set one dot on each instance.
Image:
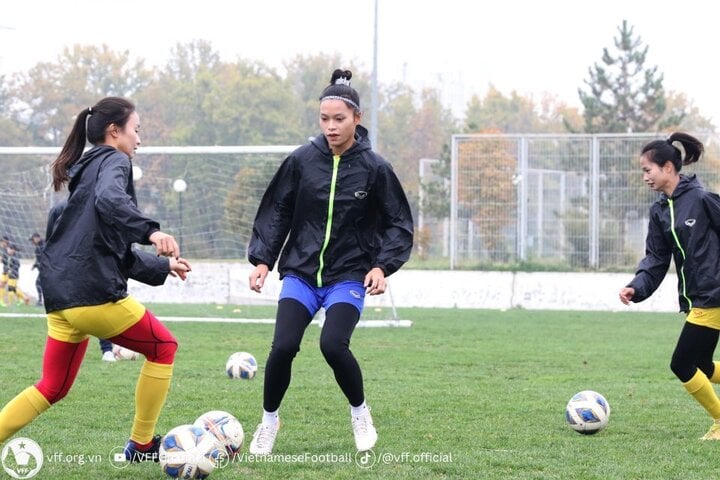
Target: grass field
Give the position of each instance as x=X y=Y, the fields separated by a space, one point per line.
x=460 y=394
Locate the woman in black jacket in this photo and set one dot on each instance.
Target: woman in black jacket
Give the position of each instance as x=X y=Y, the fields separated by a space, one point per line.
x=336 y=217
x=84 y=268
x=684 y=226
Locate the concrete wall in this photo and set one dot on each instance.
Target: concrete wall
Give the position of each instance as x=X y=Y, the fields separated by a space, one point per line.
x=227 y=283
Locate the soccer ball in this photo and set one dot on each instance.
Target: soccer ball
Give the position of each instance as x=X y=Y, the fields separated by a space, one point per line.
x=188 y=452
x=587 y=412
x=122 y=353
x=241 y=365
x=225 y=428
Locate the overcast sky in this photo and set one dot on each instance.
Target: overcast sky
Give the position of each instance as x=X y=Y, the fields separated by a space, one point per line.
x=460 y=46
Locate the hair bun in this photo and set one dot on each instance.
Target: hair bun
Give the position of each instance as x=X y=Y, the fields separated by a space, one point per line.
x=340 y=77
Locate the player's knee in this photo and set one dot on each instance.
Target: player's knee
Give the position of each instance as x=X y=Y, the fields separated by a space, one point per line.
x=333 y=349
x=682 y=368
x=284 y=350
x=52 y=393
x=165 y=352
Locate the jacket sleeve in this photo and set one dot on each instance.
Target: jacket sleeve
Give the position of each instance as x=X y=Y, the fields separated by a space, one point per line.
x=396 y=221
x=653 y=268
x=274 y=216
x=711 y=204
x=116 y=208
x=147 y=268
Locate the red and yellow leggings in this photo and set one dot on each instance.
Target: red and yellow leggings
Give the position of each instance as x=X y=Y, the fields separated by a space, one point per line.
x=126 y=323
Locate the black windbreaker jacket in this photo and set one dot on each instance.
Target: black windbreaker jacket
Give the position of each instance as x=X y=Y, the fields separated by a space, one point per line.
x=685 y=227
x=341 y=216
x=88 y=254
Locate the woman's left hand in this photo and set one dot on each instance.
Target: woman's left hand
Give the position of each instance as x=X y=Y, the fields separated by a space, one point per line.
x=179 y=267
x=375 y=283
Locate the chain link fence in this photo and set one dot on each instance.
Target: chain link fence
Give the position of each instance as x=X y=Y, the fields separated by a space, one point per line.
x=543 y=202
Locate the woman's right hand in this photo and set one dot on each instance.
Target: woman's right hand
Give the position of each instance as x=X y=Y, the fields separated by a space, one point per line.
x=257 y=277
x=626 y=295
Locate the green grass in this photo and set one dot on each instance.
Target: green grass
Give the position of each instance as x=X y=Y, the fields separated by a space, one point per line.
x=484 y=389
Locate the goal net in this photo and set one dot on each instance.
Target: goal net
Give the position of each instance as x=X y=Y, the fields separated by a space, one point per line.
x=205 y=196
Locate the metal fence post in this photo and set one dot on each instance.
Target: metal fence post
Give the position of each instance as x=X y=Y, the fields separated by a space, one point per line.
x=594 y=223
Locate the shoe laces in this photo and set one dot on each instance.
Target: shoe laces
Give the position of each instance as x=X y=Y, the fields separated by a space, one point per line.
x=360 y=424
x=265 y=435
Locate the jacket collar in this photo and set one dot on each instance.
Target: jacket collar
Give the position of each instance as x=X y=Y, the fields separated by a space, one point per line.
x=686 y=183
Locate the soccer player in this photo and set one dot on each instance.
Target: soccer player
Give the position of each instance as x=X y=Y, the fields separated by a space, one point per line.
x=39 y=244
x=4 y=241
x=13 y=290
x=84 y=269
x=338 y=219
x=684 y=226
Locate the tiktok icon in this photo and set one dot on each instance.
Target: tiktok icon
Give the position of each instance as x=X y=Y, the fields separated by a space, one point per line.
x=365 y=459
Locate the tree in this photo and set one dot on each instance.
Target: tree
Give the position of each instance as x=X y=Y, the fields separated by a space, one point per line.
x=11 y=131
x=412 y=127
x=517 y=113
x=50 y=94
x=513 y=114
x=624 y=95
x=486 y=193
x=199 y=100
x=683 y=114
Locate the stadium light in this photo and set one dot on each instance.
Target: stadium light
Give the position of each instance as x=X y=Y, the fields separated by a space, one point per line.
x=180 y=186
x=137 y=173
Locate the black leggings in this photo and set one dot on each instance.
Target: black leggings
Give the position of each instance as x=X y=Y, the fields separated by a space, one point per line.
x=694 y=350
x=291 y=322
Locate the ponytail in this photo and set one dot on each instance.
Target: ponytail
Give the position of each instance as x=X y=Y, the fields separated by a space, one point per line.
x=662 y=151
x=71 y=151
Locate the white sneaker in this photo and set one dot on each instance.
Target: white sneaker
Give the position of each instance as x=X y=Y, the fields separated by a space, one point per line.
x=264 y=439
x=108 y=357
x=364 y=431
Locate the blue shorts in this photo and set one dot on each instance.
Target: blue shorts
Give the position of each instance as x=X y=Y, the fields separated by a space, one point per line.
x=313 y=297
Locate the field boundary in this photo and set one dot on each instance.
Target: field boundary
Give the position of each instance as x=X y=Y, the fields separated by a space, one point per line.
x=266 y=321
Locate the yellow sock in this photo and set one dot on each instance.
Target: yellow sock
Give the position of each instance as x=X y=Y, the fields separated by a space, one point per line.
x=20 y=411
x=150 y=394
x=699 y=386
x=716 y=373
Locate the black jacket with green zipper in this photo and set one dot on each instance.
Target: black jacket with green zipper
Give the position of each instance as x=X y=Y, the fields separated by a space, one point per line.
x=341 y=216
x=685 y=227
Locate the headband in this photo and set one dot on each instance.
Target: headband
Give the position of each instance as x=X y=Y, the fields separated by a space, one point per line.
x=346 y=100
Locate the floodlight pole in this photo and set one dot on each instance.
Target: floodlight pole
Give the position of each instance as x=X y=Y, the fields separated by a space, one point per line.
x=374 y=89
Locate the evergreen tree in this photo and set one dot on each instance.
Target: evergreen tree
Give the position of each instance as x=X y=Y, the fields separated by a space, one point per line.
x=624 y=95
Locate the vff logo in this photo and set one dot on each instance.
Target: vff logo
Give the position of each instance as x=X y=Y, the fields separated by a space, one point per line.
x=21 y=458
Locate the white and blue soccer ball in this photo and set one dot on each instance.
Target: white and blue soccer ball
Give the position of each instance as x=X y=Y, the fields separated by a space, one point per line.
x=587 y=412
x=241 y=365
x=226 y=429
x=189 y=452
